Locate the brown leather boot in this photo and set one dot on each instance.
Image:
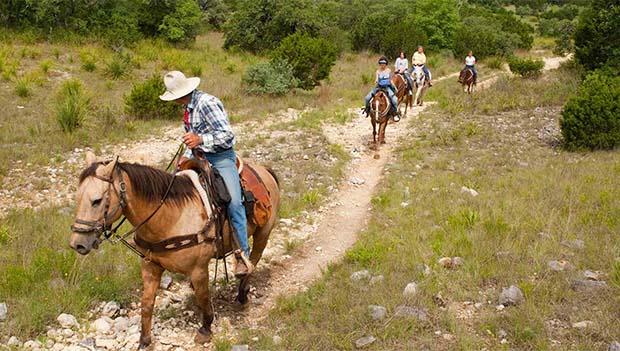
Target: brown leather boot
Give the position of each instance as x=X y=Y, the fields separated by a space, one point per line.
x=243 y=266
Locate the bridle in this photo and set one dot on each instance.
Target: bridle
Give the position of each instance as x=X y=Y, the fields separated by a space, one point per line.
x=103 y=226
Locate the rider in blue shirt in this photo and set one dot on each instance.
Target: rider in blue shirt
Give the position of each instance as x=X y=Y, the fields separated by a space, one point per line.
x=383 y=80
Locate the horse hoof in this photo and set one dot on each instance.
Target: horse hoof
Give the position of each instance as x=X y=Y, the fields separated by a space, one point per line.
x=382 y=142
x=145 y=345
x=203 y=336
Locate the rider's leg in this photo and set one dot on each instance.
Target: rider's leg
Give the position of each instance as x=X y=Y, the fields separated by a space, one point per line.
x=409 y=82
x=394 y=99
x=368 y=98
x=225 y=163
x=428 y=75
x=473 y=68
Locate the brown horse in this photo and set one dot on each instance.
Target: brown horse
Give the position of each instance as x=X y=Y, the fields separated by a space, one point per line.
x=379 y=114
x=163 y=207
x=466 y=78
x=402 y=91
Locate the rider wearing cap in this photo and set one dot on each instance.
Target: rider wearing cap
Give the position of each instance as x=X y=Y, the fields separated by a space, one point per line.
x=383 y=80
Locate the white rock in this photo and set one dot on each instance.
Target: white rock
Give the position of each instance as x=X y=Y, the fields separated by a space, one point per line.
x=589 y=275
x=583 y=324
x=101 y=325
x=445 y=262
x=511 y=296
x=109 y=344
x=614 y=346
x=121 y=324
x=111 y=309
x=359 y=275
x=376 y=279
x=67 y=333
x=277 y=340
x=365 y=341
x=14 y=342
x=286 y=221
x=356 y=181
x=166 y=282
x=558 y=266
x=469 y=191
x=411 y=312
x=4 y=311
x=240 y=348
x=377 y=313
x=67 y=321
x=411 y=290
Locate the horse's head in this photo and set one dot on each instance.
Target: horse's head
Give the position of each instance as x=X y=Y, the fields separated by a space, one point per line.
x=100 y=199
x=418 y=74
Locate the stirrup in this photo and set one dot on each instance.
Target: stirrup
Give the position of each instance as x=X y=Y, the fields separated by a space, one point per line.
x=242 y=260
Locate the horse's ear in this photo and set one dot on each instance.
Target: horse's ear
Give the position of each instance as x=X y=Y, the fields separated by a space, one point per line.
x=107 y=169
x=90 y=158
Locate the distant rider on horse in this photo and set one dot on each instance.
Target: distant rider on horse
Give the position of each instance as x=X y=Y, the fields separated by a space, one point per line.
x=470 y=62
x=383 y=80
x=419 y=59
x=208 y=135
x=402 y=67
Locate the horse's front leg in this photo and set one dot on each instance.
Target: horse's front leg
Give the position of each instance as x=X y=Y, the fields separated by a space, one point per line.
x=151 y=277
x=200 y=281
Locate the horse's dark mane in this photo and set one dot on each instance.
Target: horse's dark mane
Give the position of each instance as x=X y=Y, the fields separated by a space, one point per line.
x=150 y=183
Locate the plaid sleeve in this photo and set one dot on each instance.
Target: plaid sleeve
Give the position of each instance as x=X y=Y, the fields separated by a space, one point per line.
x=220 y=133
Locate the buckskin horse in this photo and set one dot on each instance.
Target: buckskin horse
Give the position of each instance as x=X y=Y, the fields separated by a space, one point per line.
x=168 y=212
x=402 y=91
x=466 y=78
x=379 y=114
x=420 y=84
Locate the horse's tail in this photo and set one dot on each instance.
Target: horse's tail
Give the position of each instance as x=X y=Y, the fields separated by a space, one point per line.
x=274 y=175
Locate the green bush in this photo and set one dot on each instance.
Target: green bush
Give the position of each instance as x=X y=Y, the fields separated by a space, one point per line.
x=118 y=66
x=72 y=106
x=311 y=58
x=591 y=119
x=484 y=38
x=23 y=87
x=494 y=62
x=182 y=23
x=526 y=67
x=143 y=101
x=274 y=77
x=597 y=37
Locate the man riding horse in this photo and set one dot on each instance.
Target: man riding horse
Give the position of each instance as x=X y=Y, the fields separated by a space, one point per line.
x=383 y=81
x=208 y=135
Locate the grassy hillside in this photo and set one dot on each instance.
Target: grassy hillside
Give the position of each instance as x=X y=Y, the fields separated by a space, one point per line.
x=535 y=203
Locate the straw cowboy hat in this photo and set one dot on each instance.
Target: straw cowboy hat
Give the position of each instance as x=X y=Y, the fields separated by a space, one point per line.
x=177 y=85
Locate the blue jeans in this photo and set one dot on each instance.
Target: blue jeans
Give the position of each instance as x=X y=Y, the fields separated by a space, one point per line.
x=391 y=94
x=225 y=163
x=427 y=73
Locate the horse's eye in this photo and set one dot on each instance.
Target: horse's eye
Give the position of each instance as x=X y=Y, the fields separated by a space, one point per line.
x=96 y=202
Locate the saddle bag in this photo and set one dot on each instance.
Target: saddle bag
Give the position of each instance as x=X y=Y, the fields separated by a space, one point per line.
x=222 y=196
x=249 y=201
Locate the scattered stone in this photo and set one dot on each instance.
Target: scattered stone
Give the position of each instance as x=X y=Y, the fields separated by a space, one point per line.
x=583 y=324
x=574 y=244
x=502 y=334
x=14 y=342
x=451 y=262
x=111 y=309
x=67 y=321
x=377 y=312
x=32 y=344
x=511 y=296
x=411 y=290
x=88 y=343
x=108 y=344
x=356 y=181
x=614 y=346
x=365 y=341
x=318 y=249
x=101 y=325
x=469 y=191
x=500 y=307
x=411 y=312
x=478 y=305
x=240 y=348
x=439 y=300
x=277 y=340
x=457 y=261
x=166 y=282
x=360 y=275
x=286 y=221
x=447 y=336
x=4 y=311
x=582 y=285
x=589 y=275
x=558 y=266
x=67 y=333
x=376 y=279
x=121 y=324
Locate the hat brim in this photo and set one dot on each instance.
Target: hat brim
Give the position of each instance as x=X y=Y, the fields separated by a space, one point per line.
x=191 y=85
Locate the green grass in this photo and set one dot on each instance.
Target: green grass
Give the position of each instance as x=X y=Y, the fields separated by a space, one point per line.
x=40 y=277
x=23 y=87
x=526 y=189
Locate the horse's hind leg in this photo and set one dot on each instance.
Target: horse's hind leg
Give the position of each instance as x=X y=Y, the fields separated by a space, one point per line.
x=200 y=281
x=151 y=277
x=382 y=127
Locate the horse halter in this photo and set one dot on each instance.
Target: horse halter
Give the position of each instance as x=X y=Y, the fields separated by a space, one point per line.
x=103 y=225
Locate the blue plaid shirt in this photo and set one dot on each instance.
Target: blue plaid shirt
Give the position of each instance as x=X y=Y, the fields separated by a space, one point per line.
x=209 y=120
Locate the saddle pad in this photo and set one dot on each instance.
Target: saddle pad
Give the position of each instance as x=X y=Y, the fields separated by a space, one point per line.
x=251 y=182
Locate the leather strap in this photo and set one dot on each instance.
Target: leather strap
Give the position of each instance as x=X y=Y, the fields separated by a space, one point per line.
x=176 y=242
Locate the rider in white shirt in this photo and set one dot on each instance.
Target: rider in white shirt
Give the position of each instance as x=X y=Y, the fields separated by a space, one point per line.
x=419 y=59
x=402 y=67
x=470 y=62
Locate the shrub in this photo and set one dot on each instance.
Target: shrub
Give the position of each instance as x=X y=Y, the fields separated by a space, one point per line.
x=182 y=23
x=118 y=66
x=23 y=87
x=597 y=36
x=72 y=105
x=484 y=38
x=274 y=77
x=591 y=119
x=526 y=67
x=494 y=62
x=45 y=66
x=311 y=58
x=143 y=101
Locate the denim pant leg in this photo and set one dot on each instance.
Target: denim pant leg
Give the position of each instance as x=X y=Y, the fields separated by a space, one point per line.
x=225 y=163
x=393 y=98
x=369 y=97
x=409 y=80
x=427 y=73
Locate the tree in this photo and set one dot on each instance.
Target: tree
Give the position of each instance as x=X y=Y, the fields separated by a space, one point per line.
x=597 y=38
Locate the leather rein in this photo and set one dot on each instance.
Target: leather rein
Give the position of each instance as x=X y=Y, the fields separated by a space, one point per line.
x=104 y=227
